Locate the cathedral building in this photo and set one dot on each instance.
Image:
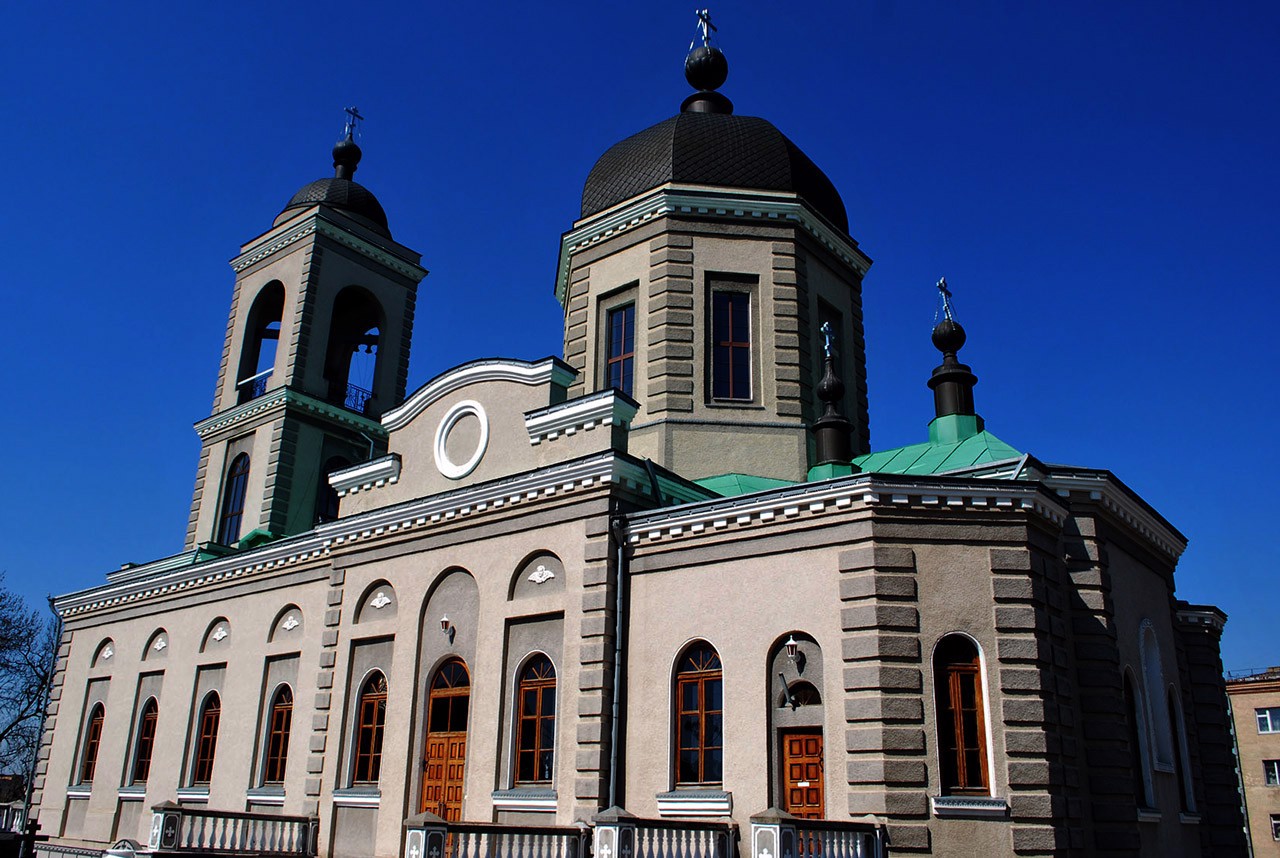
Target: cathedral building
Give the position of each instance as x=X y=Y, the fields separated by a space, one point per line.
x=660 y=582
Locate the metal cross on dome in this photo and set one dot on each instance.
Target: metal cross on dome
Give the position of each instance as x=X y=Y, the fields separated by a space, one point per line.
x=946 y=298
x=353 y=120
x=705 y=27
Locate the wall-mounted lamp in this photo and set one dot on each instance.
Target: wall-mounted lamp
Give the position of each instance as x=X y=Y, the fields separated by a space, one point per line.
x=793 y=648
x=447 y=628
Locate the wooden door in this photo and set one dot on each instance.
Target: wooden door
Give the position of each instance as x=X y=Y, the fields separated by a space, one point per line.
x=445 y=762
x=802 y=782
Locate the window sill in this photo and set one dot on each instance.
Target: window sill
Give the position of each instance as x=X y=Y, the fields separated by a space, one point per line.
x=79 y=791
x=530 y=799
x=1149 y=814
x=968 y=806
x=132 y=792
x=1189 y=818
x=695 y=801
x=266 y=795
x=193 y=795
x=361 y=796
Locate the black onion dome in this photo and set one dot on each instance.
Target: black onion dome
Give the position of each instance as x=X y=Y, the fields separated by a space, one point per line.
x=347 y=197
x=710 y=149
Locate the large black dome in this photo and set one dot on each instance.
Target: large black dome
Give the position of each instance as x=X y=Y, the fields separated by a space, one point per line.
x=704 y=148
x=348 y=197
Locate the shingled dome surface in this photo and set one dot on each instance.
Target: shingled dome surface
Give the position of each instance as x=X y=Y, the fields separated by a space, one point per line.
x=710 y=149
x=346 y=196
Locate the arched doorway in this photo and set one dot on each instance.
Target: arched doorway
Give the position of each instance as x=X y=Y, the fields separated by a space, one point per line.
x=448 y=702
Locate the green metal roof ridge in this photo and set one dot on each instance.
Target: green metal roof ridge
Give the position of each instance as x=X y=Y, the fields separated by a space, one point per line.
x=928 y=458
x=731 y=484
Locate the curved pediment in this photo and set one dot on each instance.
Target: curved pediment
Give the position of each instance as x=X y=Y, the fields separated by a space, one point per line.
x=483 y=421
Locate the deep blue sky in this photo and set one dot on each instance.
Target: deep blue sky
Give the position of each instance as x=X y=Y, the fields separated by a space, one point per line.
x=1097 y=181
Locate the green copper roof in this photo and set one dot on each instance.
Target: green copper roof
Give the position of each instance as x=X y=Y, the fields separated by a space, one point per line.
x=936 y=458
x=732 y=485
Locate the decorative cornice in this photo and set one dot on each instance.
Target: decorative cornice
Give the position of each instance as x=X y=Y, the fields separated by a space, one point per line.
x=1117 y=499
x=839 y=495
x=708 y=201
x=525 y=489
x=273 y=242
x=286 y=397
x=549 y=369
x=1202 y=615
x=367 y=475
x=968 y=805
x=606 y=408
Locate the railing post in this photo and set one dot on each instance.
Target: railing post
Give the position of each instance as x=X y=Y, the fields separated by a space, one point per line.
x=311 y=847
x=425 y=836
x=615 y=834
x=773 y=835
x=166 y=826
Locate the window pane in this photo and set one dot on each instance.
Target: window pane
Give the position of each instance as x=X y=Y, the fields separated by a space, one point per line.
x=458 y=714
x=1271 y=771
x=688 y=773
x=714 y=736
x=549 y=701
x=439 y=720
x=547 y=734
x=529 y=702
x=712 y=763
x=525 y=767
x=714 y=692
x=690 y=731
x=688 y=697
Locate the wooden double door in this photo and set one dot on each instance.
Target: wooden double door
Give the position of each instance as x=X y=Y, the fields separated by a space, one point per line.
x=444 y=762
x=803 y=790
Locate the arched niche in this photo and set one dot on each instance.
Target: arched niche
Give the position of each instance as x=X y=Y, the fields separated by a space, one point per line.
x=450 y=614
x=261 y=340
x=105 y=654
x=377 y=603
x=157 y=646
x=353 y=359
x=539 y=574
x=288 y=625
x=795 y=713
x=217 y=636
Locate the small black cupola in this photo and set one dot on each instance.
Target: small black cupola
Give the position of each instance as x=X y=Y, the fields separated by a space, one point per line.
x=831 y=431
x=706 y=69
x=952 y=382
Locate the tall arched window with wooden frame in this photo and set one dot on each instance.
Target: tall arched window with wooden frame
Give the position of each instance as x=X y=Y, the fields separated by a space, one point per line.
x=146 y=741
x=233 y=493
x=962 y=721
x=371 y=720
x=699 y=716
x=536 y=719
x=207 y=741
x=1140 y=764
x=92 y=739
x=279 y=724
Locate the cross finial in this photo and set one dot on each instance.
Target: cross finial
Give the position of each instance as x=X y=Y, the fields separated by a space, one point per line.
x=705 y=27
x=946 y=298
x=828 y=340
x=353 y=119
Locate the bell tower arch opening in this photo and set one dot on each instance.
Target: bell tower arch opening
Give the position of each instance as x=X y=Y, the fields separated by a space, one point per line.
x=261 y=342
x=352 y=357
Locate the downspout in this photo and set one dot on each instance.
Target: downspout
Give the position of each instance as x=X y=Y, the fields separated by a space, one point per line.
x=618 y=528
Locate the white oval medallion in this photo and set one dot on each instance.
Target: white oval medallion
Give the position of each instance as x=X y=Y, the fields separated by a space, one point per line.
x=445 y=465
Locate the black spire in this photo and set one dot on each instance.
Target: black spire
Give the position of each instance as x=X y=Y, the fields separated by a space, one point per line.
x=346 y=154
x=706 y=69
x=831 y=431
x=952 y=382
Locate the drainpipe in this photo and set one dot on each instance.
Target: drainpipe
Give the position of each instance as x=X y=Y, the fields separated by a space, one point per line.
x=618 y=528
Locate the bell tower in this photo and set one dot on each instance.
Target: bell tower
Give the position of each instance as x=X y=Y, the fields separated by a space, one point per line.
x=317 y=348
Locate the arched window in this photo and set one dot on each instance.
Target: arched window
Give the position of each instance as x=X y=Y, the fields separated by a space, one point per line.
x=536 y=734
x=92 y=738
x=146 y=741
x=1153 y=692
x=233 y=500
x=278 y=735
x=1137 y=750
x=207 y=745
x=962 y=728
x=699 y=715
x=371 y=718
x=326 y=495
